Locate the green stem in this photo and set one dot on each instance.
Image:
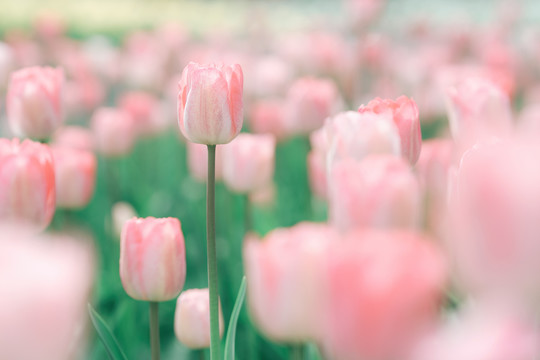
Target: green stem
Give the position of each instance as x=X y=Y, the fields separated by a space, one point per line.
x=211 y=254
x=248 y=218
x=297 y=352
x=154 y=329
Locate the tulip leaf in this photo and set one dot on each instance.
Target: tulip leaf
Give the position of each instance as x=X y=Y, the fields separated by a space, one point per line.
x=231 y=331
x=106 y=336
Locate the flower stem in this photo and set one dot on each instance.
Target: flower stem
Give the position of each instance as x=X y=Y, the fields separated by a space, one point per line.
x=211 y=254
x=297 y=352
x=154 y=329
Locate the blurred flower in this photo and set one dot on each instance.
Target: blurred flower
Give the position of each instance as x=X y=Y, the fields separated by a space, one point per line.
x=27 y=191
x=378 y=192
x=34 y=104
x=385 y=290
x=74 y=137
x=309 y=102
x=192 y=319
x=268 y=117
x=45 y=287
x=152 y=258
x=316 y=162
x=404 y=113
x=114 y=131
x=248 y=162
x=494 y=204
x=75 y=176
x=121 y=212
x=144 y=110
x=356 y=135
x=284 y=274
x=478 y=111
x=210 y=103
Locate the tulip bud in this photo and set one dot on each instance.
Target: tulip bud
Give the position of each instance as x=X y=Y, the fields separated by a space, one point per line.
x=192 y=319
x=152 y=258
x=404 y=113
x=34 y=101
x=309 y=102
x=365 y=318
x=114 y=131
x=378 y=192
x=74 y=137
x=248 y=162
x=285 y=292
x=210 y=103
x=27 y=193
x=75 y=174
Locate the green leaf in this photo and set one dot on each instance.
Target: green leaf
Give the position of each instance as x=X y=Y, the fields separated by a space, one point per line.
x=231 y=331
x=106 y=336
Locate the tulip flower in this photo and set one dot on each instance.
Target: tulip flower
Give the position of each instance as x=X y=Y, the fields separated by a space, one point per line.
x=34 y=101
x=248 y=162
x=153 y=265
x=144 y=110
x=268 y=117
x=309 y=102
x=378 y=192
x=404 y=113
x=27 y=193
x=384 y=293
x=284 y=273
x=114 y=131
x=478 y=111
x=192 y=319
x=356 y=135
x=210 y=103
x=75 y=174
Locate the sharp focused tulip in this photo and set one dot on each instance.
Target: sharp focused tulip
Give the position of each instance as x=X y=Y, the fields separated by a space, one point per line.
x=192 y=319
x=152 y=258
x=385 y=290
x=34 y=101
x=478 y=110
x=356 y=135
x=114 y=131
x=27 y=191
x=404 y=113
x=309 y=102
x=378 y=192
x=248 y=162
x=75 y=174
x=284 y=274
x=210 y=103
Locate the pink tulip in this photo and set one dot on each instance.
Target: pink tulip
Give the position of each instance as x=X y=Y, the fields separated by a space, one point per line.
x=210 y=103
x=268 y=76
x=284 y=273
x=152 y=258
x=404 y=113
x=356 y=135
x=317 y=163
x=198 y=161
x=74 y=137
x=478 y=111
x=27 y=185
x=75 y=174
x=192 y=319
x=34 y=101
x=309 y=102
x=385 y=290
x=268 y=117
x=433 y=168
x=114 y=131
x=482 y=333
x=378 y=192
x=248 y=162
x=45 y=288
x=494 y=204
